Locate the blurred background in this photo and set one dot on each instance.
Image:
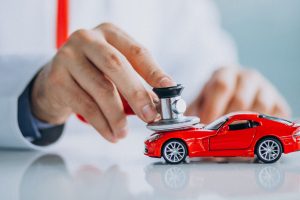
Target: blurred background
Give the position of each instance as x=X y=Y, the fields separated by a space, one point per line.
x=267 y=34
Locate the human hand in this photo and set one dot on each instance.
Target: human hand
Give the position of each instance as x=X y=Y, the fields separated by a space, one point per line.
x=235 y=89
x=87 y=74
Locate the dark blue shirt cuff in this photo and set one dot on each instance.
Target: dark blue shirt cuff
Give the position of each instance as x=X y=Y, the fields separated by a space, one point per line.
x=34 y=130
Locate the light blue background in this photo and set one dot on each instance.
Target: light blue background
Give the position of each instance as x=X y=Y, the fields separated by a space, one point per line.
x=267 y=34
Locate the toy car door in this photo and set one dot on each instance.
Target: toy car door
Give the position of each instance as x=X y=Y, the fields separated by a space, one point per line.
x=234 y=135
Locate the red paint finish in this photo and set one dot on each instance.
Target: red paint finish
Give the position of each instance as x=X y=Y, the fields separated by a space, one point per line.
x=237 y=139
x=226 y=141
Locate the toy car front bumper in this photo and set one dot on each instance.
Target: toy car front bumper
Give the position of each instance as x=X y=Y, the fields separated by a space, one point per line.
x=152 y=149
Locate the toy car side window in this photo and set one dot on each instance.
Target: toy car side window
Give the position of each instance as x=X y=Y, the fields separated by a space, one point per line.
x=255 y=124
x=239 y=125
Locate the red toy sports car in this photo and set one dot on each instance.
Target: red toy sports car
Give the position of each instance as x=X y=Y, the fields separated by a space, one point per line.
x=235 y=134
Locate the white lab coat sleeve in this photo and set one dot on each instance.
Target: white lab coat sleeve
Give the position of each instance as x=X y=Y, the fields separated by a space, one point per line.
x=16 y=72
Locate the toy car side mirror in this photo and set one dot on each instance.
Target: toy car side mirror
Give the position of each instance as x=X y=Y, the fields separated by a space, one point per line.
x=225 y=128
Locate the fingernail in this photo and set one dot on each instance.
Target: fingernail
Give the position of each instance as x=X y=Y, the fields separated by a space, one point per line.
x=166 y=82
x=149 y=112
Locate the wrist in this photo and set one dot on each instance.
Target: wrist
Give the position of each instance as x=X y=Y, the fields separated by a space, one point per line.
x=43 y=106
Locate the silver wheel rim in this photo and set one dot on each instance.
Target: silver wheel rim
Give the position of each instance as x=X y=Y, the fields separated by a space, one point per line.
x=174 y=152
x=269 y=150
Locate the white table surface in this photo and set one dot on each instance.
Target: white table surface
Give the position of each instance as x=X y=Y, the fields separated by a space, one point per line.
x=84 y=166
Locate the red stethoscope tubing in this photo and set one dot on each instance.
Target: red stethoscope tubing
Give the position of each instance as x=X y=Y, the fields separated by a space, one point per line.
x=62 y=25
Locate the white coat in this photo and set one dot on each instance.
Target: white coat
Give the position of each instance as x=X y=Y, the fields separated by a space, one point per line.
x=185 y=37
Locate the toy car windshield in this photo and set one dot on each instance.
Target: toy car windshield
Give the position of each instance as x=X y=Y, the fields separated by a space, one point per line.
x=215 y=125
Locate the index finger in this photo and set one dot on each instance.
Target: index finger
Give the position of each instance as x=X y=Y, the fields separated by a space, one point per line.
x=116 y=67
x=138 y=56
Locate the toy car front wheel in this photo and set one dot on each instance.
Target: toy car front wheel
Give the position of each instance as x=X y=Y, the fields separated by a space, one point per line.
x=174 y=151
x=268 y=150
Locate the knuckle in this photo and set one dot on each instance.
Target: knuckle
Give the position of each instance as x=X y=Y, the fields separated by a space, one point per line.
x=220 y=84
x=63 y=54
x=114 y=62
x=106 y=88
x=107 y=26
x=155 y=74
x=100 y=45
x=140 y=95
x=138 y=50
x=81 y=35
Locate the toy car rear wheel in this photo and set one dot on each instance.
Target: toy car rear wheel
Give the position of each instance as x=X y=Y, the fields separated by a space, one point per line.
x=268 y=150
x=174 y=151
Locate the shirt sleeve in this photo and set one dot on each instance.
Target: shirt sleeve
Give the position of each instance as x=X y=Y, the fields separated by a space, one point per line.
x=33 y=129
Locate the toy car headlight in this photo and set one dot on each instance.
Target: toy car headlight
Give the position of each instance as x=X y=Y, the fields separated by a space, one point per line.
x=296 y=134
x=154 y=137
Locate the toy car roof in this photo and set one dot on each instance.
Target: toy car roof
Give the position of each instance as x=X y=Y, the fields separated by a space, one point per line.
x=252 y=114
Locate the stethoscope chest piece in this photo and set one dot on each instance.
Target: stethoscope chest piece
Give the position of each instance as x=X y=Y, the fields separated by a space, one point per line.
x=171 y=108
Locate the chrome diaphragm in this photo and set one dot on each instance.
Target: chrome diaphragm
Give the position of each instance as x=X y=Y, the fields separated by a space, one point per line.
x=171 y=108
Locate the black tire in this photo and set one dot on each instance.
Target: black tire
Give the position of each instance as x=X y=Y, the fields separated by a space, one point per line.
x=268 y=150
x=174 y=151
